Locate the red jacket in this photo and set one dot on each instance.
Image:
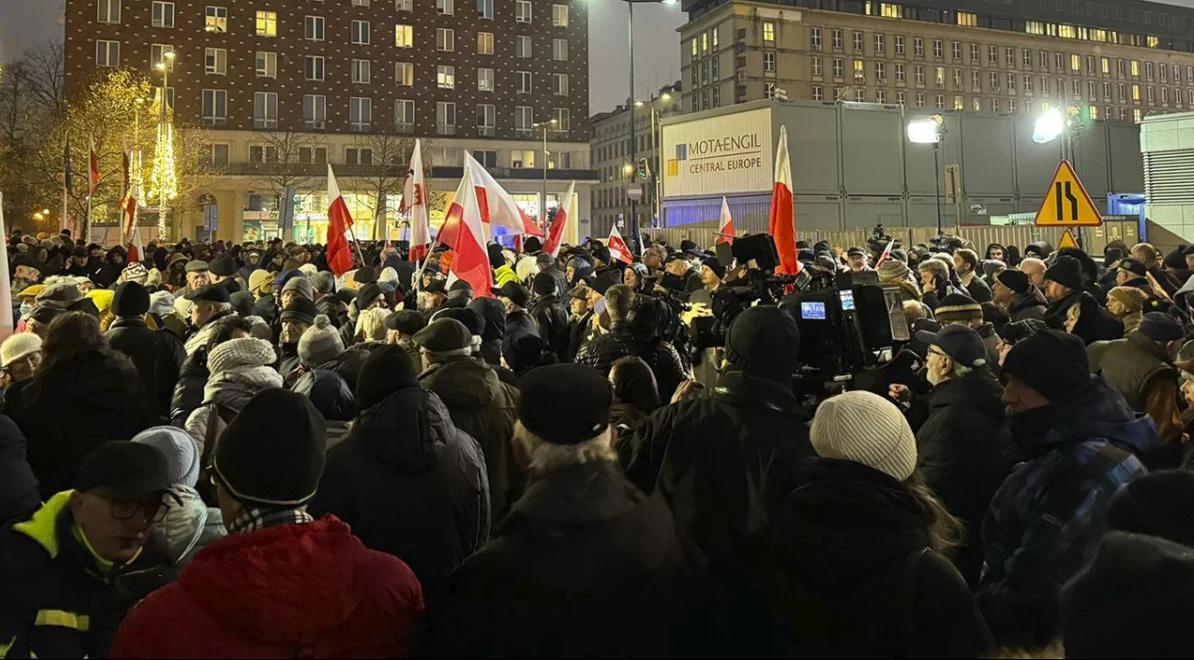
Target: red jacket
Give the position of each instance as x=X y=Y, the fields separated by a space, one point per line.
x=309 y=590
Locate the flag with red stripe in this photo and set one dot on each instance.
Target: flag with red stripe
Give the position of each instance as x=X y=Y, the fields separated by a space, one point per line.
x=414 y=203
x=618 y=249
x=339 y=253
x=559 y=224
x=782 y=223
x=93 y=172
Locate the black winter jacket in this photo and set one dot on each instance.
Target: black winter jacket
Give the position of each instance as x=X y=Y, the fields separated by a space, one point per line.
x=188 y=392
x=855 y=576
x=486 y=409
x=552 y=320
x=158 y=356
x=72 y=408
x=964 y=452
x=18 y=487
x=661 y=356
x=581 y=547
x=410 y=484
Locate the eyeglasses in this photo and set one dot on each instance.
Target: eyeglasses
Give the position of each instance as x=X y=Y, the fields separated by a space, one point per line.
x=152 y=508
x=934 y=351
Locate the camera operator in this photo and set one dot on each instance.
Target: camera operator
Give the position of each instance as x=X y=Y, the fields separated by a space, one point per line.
x=639 y=335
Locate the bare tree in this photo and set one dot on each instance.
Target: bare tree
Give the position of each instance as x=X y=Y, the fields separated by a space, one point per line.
x=289 y=165
x=391 y=162
x=45 y=77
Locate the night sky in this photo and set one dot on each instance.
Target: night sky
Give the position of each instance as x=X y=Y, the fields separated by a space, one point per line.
x=25 y=23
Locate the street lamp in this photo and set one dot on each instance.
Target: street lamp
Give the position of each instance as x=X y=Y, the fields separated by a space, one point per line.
x=666 y=99
x=1049 y=126
x=544 y=125
x=931 y=130
x=633 y=135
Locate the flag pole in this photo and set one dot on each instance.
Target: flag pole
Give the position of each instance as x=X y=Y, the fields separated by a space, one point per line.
x=357 y=245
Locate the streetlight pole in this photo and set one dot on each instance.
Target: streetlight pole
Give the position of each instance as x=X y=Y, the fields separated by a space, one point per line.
x=633 y=133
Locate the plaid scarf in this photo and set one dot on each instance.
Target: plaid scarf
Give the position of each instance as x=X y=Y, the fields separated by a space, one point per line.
x=252 y=520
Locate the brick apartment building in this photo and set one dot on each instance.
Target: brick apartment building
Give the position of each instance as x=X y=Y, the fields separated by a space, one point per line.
x=463 y=75
x=1124 y=59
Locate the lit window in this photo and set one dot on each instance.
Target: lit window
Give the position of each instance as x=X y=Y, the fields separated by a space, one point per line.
x=445 y=77
x=485 y=43
x=215 y=19
x=404 y=74
x=404 y=36
x=889 y=10
x=267 y=23
x=559 y=15
x=968 y=19
x=769 y=32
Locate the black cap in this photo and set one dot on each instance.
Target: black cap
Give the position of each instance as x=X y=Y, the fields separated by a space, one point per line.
x=130 y=299
x=1016 y=331
x=532 y=244
x=436 y=286
x=209 y=293
x=300 y=309
x=544 y=284
x=959 y=342
x=564 y=404
x=764 y=341
x=855 y=252
x=1134 y=267
x=367 y=295
x=125 y=470
x=28 y=262
x=516 y=292
x=365 y=275
x=1013 y=279
x=278 y=429
x=223 y=265
x=406 y=321
x=1052 y=362
x=387 y=369
x=1156 y=504
x=1067 y=272
x=445 y=336
x=714 y=265
x=466 y=315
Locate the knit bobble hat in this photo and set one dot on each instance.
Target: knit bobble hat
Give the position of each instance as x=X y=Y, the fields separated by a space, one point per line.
x=130 y=299
x=764 y=341
x=18 y=346
x=320 y=343
x=892 y=270
x=272 y=454
x=865 y=428
x=242 y=352
x=958 y=308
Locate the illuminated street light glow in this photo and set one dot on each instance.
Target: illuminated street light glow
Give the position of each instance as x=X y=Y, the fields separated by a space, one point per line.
x=1048 y=127
x=925 y=131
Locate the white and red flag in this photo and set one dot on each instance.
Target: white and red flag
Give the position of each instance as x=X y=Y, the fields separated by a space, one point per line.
x=618 y=249
x=496 y=206
x=339 y=253
x=559 y=225
x=726 y=232
x=782 y=223
x=414 y=202
x=129 y=199
x=464 y=233
x=93 y=172
x=886 y=252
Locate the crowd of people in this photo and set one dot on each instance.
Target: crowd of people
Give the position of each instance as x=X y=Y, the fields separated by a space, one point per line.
x=225 y=450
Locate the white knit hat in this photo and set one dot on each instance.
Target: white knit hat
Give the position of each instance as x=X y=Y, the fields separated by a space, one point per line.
x=867 y=429
x=18 y=346
x=243 y=352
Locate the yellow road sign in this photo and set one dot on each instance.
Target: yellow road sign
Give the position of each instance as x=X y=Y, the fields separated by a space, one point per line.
x=1067 y=204
x=1067 y=241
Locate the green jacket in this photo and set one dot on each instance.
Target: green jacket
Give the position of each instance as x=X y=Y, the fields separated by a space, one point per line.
x=59 y=599
x=1133 y=364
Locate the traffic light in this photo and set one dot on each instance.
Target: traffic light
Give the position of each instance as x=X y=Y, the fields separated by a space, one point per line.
x=644 y=169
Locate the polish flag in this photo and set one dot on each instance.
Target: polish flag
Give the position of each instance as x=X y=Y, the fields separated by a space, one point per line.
x=128 y=207
x=886 y=252
x=558 y=226
x=782 y=223
x=339 y=254
x=496 y=205
x=93 y=173
x=414 y=202
x=618 y=249
x=727 y=224
x=464 y=232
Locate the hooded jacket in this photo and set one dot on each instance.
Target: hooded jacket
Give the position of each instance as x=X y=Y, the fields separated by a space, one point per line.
x=1044 y=522
x=580 y=546
x=486 y=409
x=60 y=599
x=410 y=484
x=855 y=576
x=71 y=408
x=964 y=452
x=158 y=356
x=494 y=313
x=309 y=590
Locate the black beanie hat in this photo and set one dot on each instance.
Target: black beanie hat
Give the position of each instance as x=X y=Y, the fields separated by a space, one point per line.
x=1176 y=259
x=1156 y=504
x=469 y=317
x=496 y=258
x=532 y=244
x=1067 y=272
x=1159 y=326
x=544 y=284
x=1132 y=601
x=564 y=404
x=386 y=370
x=272 y=454
x=130 y=299
x=223 y=265
x=764 y=341
x=714 y=265
x=406 y=321
x=1013 y=279
x=300 y=309
x=1051 y=362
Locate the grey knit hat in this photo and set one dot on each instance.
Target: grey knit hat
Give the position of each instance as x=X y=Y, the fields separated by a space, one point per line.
x=302 y=285
x=892 y=270
x=320 y=343
x=865 y=428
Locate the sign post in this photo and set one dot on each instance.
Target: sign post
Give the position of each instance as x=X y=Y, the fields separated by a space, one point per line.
x=1067 y=204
